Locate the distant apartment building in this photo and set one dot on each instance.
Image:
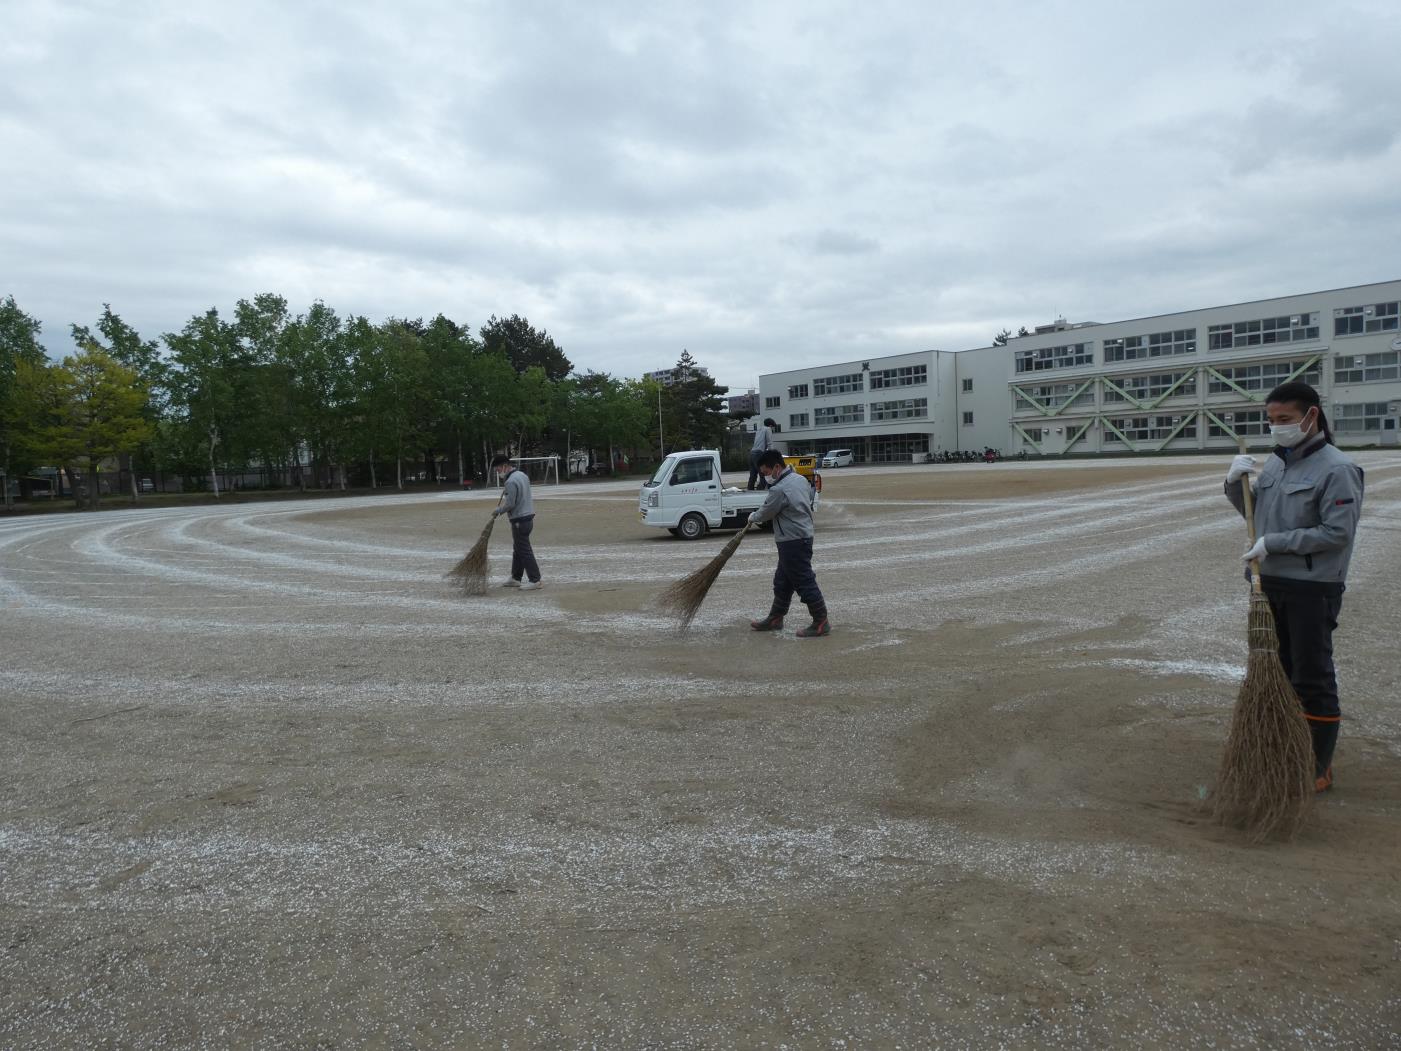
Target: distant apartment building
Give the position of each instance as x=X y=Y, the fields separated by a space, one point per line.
x=743 y=405
x=673 y=375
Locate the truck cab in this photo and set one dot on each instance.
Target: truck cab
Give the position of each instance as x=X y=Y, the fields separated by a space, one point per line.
x=686 y=497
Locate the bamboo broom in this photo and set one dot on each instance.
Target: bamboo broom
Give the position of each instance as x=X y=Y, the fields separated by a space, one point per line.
x=471 y=569
x=683 y=599
x=1265 y=782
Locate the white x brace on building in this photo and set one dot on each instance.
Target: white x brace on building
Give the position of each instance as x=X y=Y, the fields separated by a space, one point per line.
x=1175 y=382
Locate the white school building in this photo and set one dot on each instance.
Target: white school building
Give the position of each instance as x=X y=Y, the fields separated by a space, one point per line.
x=1172 y=383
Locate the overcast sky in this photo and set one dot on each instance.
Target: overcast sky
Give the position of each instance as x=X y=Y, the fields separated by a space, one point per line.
x=769 y=185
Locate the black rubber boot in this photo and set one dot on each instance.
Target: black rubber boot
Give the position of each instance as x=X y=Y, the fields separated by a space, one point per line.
x=819 y=625
x=773 y=622
x=1325 y=739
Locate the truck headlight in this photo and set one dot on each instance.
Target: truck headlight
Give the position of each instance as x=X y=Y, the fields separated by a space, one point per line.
x=653 y=498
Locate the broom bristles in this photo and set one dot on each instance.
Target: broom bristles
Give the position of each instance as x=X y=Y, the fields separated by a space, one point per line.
x=683 y=599
x=1265 y=783
x=471 y=568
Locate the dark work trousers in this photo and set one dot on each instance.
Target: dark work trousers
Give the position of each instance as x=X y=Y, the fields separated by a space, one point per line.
x=522 y=556
x=754 y=455
x=1305 y=615
x=794 y=573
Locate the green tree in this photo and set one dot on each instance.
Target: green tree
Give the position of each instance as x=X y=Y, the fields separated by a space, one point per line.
x=211 y=393
x=694 y=407
x=19 y=345
x=313 y=354
x=390 y=372
x=125 y=346
x=86 y=410
x=524 y=347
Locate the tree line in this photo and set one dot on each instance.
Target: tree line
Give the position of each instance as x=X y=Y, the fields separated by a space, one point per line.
x=320 y=400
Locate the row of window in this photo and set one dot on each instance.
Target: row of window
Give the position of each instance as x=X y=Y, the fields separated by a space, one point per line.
x=1263 y=332
x=852 y=383
x=1044 y=358
x=831 y=416
x=1359 y=321
x=1153 y=345
x=1259 y=332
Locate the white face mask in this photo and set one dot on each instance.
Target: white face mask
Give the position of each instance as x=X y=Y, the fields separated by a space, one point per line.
x=774 y=477
x=1288 y=435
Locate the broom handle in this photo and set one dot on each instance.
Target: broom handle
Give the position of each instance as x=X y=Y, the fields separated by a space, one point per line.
x=1249 y=501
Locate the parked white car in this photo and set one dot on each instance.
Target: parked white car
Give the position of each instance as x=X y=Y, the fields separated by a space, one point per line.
x=837 y=458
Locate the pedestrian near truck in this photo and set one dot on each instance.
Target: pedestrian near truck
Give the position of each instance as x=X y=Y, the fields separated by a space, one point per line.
x=789 y=507
x=1307 y=501
x=519 y=508
x=763 y=442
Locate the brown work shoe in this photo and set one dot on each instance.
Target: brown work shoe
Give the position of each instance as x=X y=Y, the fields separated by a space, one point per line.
x=1324 y=781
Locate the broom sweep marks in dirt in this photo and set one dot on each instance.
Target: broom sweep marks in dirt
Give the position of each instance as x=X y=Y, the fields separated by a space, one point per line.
x=683 y=599
x=1265 y=782
x=471 y=569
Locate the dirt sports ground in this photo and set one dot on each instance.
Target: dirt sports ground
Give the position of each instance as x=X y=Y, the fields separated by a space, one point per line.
x=269 y=781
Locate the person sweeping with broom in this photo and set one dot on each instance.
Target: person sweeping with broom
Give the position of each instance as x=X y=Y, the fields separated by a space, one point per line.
x=1307 y=501
x=518 y=506
x=789 y=507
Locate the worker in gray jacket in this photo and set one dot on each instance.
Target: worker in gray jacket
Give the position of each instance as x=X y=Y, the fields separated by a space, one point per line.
x=516 y=504
x=763 y=442
x=789 y=507
x=1307 y=501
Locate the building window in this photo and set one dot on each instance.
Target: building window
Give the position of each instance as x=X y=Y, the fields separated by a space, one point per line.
x=1149 y=428
x=907 y=376
x=1033 y=433
x=1248 y=422
x=967 y=419
x=772 y=402
x=1154 y=345
x=967 y=386
x=1367 y=368
x=799 y=390
x=797 y=419
x=1051 y=396
x=896 y=448
x=1066 y=357
x=848 y=384
x=1360 y=417
x=1358 y=321
x=1153 y=385
x=1263 y=333
x=839 y=414
x=910 y=408
x=1262 y=377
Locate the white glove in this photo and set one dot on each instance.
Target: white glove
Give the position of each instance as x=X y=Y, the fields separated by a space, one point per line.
x=753 y=518
x=1240 y=466
x=1257 y=550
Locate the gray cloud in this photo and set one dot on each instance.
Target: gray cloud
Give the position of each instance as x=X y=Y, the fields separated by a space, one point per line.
x=762 y=184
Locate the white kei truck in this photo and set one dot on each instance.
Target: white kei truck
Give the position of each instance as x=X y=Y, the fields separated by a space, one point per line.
x=686 y=497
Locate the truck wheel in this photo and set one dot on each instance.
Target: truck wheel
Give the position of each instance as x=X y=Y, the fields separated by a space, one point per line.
x=691 y=527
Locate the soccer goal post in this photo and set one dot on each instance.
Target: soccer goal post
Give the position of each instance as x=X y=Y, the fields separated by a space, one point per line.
x=538 y=468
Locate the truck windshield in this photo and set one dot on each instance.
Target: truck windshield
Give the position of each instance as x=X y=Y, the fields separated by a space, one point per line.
x=662 y=469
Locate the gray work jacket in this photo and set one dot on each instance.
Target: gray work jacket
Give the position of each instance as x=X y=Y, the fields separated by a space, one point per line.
x=1307 y=502
x=789 y=505
x=763 y=440
x=515 y=495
